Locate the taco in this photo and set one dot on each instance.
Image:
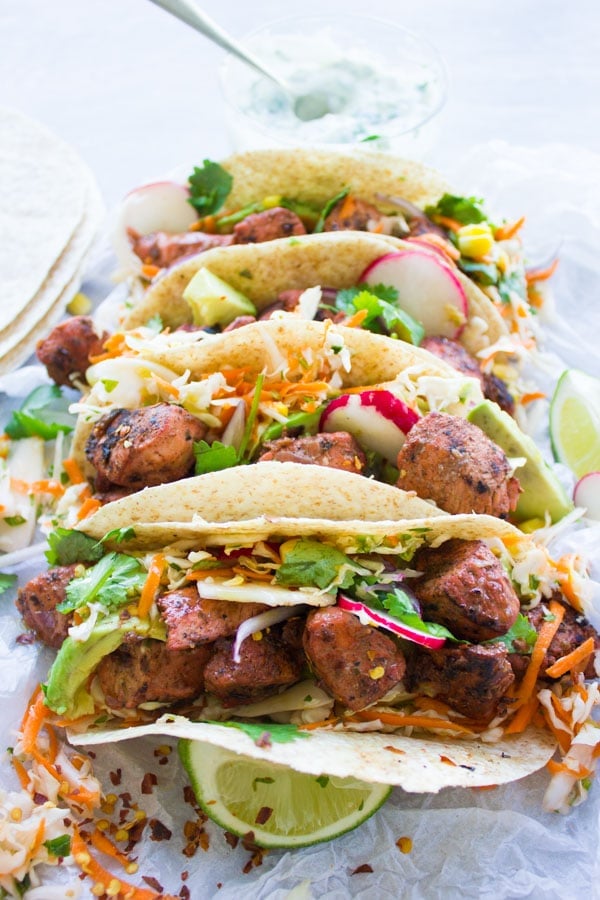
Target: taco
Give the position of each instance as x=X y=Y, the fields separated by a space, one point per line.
x=273 y=194
x=448 y=638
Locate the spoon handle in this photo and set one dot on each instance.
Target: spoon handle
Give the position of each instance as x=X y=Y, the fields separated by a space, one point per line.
x=192 y=15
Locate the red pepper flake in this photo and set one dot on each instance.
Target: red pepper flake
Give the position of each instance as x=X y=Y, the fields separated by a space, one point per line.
x=447 y=760
x=263 y=815
x=394 y=750
x=219 y=884
x=365 y=869
x=153 y=883
x=404 y=844
x=39 y=799
x=248 y=842
x=91 y=754
x=264 y=740
x=163 y=761
x=184 y=893
x=115 y=777
x=148 y=782
x=184 y=875
x=255 y=860
x=232 y=839
x=159 y=832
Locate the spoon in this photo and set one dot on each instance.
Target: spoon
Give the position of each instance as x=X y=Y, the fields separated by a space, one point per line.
x=312 y=105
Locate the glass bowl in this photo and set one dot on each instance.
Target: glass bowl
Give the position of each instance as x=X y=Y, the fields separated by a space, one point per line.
x=384 y=85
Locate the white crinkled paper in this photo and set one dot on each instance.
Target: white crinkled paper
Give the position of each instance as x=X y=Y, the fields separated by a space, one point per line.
x=492 y=844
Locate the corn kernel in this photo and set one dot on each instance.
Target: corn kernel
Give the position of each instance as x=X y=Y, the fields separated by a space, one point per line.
x=114 y=888
x=475 y=241
x=404 y=844
x=80 y=305
x=164 y=749
x=16 y=814
x=102 y=824
x=98 y=890
x=257 y=636
x=121 y=835
x=131 y=868
x=376 y=673
x=272 y=200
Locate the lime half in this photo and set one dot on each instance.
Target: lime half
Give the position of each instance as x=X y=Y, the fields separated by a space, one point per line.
x=575 y=422
x=281 y=807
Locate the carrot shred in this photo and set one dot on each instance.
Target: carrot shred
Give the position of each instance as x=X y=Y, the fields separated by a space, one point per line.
x=541 y=274
x=157 y=565
x=570 y=660
x=556 y=768
x=166 y=386
x=371 y=715
x=47 y=486
x=105 y=845
x=253 y=576
x=523 y=717
x=507 y=231
x=323 y=723
x=357 y=319
x=562 y=738
x=33 y=721
x=447 y=222
x=72 y=469
x=95 y=870
x=534 y=395
x=21 y=773
x=199 y=574
x=89 y=506
x=348 y=206
x=544 y=639
x=149 y=270
x=436 y=241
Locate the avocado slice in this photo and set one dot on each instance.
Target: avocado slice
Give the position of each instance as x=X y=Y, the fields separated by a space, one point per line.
x=214 y=302
x=66 y=689
x=542 y=491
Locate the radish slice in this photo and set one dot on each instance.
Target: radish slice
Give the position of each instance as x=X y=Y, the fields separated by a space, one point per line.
x=160 y=206
x=383 y=619
x=587 y=494
x=428 y=288
x=270 y=594
x=263 y=620
x=378 y=420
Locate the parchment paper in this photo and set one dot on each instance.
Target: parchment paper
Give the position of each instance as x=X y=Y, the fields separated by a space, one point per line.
x=485 y=844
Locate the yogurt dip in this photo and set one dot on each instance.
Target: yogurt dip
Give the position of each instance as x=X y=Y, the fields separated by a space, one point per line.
x=380 y=90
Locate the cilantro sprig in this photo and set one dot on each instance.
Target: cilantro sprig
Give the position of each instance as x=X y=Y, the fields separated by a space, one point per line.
x=113 y=581
x=43 y=413
x=466 y=210
x=384 y=315
x=311 y=564
x=210 y=185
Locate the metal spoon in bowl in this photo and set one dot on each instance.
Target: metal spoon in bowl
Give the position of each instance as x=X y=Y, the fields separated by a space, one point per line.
x=312 y=105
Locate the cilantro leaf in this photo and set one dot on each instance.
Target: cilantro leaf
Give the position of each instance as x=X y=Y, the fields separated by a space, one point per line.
x=214 y=457
x=6 y=581
x=384 y=316
x=118 y=535
x=310 y=563
x=113 y=581
x=327 y=209
x=466 y=210
x=14 y=521
x=522 y=631
x=68 y=546
x=399 y=604
x=59 y=846
x=210 y=186
x=307 y=421
x=43 y=413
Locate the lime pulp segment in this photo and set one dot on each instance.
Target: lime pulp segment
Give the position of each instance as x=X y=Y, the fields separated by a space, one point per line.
x=575 y=422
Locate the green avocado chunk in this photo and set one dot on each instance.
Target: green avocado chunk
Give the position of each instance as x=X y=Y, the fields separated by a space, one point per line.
x=542 y=491
x=66 y=690
x=214 y=302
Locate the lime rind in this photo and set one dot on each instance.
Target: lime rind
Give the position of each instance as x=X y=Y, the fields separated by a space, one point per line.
x=575 y=422
x=302 y=809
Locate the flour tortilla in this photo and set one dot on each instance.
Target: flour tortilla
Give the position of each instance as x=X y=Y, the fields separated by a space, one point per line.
x=262 y=271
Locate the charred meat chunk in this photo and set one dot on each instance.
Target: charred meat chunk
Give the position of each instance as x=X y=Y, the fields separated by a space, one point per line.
x=266 y=665
x=268 y=225
x=472 y=679
x=352 y=214
x=455 y=355
x=356 y=664
x=336 y=450
x=142 y=447
x=192 y=620
x=452 y=462
x=571 y=633
x=288 y=300
x=144 y=670
x=240 y=322
x=67 y=349
x=466 y=589
x=163 y=249
x=37 y=602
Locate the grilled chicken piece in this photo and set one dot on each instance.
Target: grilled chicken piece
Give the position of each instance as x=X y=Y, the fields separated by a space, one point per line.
x=67 y=349
x=337 y=450
x=37 y=602
x=268 y=225
x=162 y=249
x=192 y=620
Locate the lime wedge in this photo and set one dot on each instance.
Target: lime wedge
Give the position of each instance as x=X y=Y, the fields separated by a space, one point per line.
x=281 y=807
x=575 y=422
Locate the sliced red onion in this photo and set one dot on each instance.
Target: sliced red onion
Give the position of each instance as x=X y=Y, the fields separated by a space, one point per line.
x=368 y=616
x=263 y=620
x=234 y=432
x=404 y=206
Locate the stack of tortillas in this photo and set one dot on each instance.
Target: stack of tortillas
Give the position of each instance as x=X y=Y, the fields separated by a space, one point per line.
x=49 y=216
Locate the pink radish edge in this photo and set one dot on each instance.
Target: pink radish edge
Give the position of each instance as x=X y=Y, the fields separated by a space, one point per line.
x=377 y=419
x=377 y=617
x=587 y=494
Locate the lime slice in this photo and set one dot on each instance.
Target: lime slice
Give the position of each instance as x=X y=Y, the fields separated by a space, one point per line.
x=281 y=807
x=575 y=422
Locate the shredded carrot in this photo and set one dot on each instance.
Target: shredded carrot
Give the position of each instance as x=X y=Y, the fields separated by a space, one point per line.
x=39 y=837
x=105 y=845
x=541 y=274
x=534 y=395
x=47 y=486
x=447 y=222
x=157 y=565
x=504 y=232
x=33 y=721
x=89 y=506
x=400 y=721
x=562 y=738
x=565 y=567
x=251 y=575
x=570 y=660
x=544 y=639
x=523 y=717
x=166 y=386
x=199 y=574
x=430 y=703
x=561 y=767
x=323 y=723
x=377 y=229
x=102 y=876
x=115 y=346
x=21 y=773
x=348 y=207
x=438 y=242
x=52 y=743
x=72 y=469
x=149 y=270
x=19 y=486
x=357 y=319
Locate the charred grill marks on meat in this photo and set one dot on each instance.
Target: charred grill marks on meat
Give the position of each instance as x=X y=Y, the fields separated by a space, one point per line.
x=66 y=351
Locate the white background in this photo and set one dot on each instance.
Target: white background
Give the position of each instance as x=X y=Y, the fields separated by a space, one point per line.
x=136 y=91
